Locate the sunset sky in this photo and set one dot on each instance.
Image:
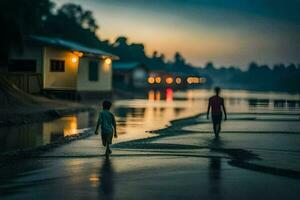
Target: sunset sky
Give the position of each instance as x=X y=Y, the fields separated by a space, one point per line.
x=227 y=32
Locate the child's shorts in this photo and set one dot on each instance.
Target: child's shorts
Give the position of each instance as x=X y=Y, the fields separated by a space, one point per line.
x=106 y=138
x=216 y=118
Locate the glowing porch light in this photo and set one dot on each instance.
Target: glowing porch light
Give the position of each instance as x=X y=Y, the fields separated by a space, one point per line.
x=107 y=61
x=178 y=80
x=169 y=80
x=74 y=59
x=151 y=80
x=158 y=80
x=78 y=53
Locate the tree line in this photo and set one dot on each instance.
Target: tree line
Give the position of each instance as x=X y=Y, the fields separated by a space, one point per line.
x=279 y=77
x=20 y=18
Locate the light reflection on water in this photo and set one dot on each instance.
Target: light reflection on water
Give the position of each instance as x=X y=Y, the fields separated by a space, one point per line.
x=135 y=116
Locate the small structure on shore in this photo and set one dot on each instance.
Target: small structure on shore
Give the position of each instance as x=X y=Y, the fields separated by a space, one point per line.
x=129 y=74
x=61 y=67
x=137 y=75
x=182 y=77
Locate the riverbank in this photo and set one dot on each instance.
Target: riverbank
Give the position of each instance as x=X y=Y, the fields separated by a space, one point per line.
x=18 y=107
x=50 y=110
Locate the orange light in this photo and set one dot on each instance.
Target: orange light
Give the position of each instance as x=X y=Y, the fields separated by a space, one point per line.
x=71 y=127
x=169 y=95
x=169 y=80
x=94 y=179
x=78 y=53
x=107 y=61
x=157 y=79
x=74 y=59
x=151 y=80
x=178 y=80
x=151 y=95
x=193 y=80
x=196 y=80
x=157 y=95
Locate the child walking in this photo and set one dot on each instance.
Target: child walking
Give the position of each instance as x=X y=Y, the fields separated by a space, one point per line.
x=108 y=126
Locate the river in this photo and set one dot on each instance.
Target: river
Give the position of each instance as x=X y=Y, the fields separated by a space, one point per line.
x=137 y=116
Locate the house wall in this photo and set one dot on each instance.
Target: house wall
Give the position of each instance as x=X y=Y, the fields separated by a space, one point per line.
x=30 y=53
x=28 y=81
x=104 y=83
x=60 y=80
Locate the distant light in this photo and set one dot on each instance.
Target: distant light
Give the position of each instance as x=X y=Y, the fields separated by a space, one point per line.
x=189 y=80
x=169 y=80
x=157 y=79
x=151 y=80
x=74 y=59
x=178 y=80
x=194 y=80
x=107 y=61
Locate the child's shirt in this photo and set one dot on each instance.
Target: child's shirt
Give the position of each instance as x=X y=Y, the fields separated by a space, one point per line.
x=107 y=121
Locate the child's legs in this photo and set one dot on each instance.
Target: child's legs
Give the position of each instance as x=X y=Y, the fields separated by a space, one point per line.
x=107 y=147
x=215 y=127
x=217 y=124
x=108 y=141
x=104 y=140
x=219 y=129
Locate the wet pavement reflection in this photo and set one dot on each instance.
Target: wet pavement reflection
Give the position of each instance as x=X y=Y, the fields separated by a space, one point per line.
x=107 y=179
x=214 y=173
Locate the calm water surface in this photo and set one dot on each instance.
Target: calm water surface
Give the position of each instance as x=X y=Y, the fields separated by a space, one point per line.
x=136 y=116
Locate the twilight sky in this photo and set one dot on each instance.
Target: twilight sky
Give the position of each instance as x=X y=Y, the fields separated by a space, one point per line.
x=227 y=32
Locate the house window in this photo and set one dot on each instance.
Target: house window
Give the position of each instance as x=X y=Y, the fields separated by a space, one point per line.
x=57 y=65
x=22 y=66
x=93 y=71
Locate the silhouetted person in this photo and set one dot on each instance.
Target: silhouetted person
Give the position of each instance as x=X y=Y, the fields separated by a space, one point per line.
x=216 y=103
x=108 y=126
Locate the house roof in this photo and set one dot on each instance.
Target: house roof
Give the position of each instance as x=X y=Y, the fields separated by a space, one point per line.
x=125 y=65
x=73 y=46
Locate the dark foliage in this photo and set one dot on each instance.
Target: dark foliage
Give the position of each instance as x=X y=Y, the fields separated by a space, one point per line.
x=257 y=77
x=19 y=18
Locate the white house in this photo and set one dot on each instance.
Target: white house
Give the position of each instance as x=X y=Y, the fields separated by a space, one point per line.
x=58 y=66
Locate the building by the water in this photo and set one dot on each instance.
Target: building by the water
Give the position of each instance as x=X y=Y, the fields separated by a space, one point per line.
x=60 y=67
